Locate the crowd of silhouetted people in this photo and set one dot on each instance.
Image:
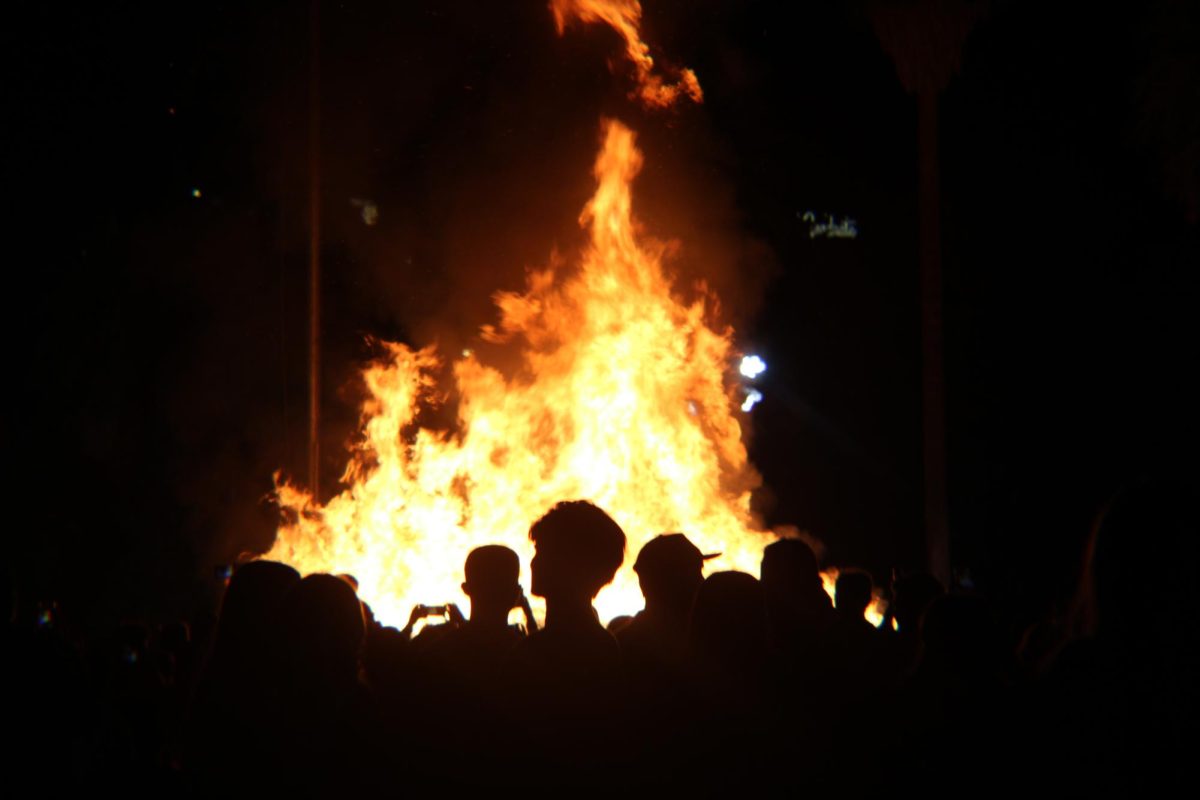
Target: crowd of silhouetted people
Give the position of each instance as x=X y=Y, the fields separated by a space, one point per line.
x=727 y=684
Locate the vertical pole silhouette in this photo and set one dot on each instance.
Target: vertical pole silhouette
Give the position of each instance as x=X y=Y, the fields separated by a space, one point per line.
x=933 y=380
x=925 y=40
x=314 y=249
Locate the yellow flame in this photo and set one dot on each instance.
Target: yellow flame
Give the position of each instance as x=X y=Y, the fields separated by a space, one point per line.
x=875 y=611
x=625 y=17
x=621 y=398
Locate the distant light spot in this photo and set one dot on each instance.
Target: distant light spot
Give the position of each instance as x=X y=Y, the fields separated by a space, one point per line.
x=752 y=398
x=752 y=366
x=468 y=352
x=370 y=211
x=195 y=192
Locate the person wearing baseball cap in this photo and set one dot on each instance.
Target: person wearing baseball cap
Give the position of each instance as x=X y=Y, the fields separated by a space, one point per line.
x=654 y=648
x=670 y=570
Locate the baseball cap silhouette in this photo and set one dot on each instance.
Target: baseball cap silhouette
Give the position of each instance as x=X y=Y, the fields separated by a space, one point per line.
x=670 y=551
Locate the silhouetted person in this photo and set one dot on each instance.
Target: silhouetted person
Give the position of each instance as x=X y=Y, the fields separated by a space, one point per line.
x=461 y=678
x=1121 y=702
x=856 y=679
x=492 y=574
x=244 y=640
x=952 y=721
x=912 y=595
x=670 y=571
x=855 y=644
x=568 y=675
x=322 y=628
x=729 y=643
x=227 y=728
x=729 y=636
x=800 y=616
x=325 y=735
x=858 y=642
x=654 y=646
x=798 y=608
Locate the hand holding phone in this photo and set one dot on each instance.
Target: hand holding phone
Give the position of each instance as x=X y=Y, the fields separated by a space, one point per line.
x=531 y=625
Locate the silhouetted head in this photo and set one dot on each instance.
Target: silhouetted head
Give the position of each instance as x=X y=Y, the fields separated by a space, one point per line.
x=913 y=594
x=323 y=629
x=790 y=577
x=853 y=592
x=670 y=570
x=578 y=549
x=492 y=573
x=729 y=621
x=249 y=607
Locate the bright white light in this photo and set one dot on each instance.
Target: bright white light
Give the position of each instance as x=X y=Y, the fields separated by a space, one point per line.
x=752 y=366
x=752 y=397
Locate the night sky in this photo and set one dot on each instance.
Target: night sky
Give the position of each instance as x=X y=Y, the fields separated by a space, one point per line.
x=156 y=176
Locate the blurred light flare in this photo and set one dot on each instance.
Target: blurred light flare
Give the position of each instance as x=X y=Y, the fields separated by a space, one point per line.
x=752 y=367
x=369 y=210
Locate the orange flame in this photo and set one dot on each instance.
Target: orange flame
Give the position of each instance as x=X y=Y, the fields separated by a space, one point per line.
x=875 y=612
x=625 y=17
x=621 y=399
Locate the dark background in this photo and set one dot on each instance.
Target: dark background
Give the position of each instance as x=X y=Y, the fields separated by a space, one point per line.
x=156 y=341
